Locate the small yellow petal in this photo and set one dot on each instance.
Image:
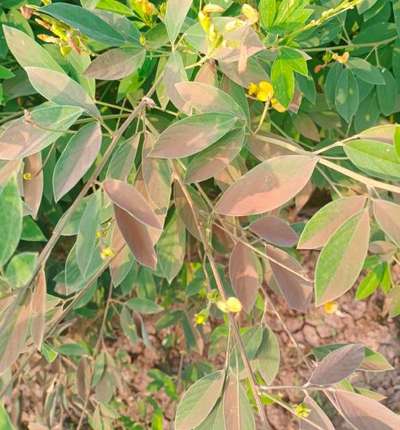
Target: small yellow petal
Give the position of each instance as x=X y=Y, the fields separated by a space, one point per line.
x=252 y=89
x=233 y=305
x=221 y=305
x=250 y=13
x=302 y=411
x=106 y=253
x=277 y=106
x=212 y=8
x=262 y=96
x=27 y=176
x=331 y=307
x=266 y=86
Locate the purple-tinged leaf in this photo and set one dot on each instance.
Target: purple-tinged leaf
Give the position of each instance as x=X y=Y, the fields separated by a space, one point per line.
x=317 y=416
x=275 y=230
x=387 y=215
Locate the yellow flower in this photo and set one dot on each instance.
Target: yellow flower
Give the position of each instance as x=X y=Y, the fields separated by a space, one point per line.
x=99 y=234
x=231 y=305
x=343 y=59
x=277 y=106
x=205 y=21
x=250 y=13
x=301 y=410
x=266 y=87
x=252 y=89
x=106 y=253
x=262 y=96
x=27 y=176
x=331 y=307
x=201 y=317
x=212 y=8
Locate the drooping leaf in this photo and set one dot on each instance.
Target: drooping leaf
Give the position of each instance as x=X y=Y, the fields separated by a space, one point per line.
x=143 y=306
x=290 y=278
x=86 y=22
x=365 y=413
x=39 y=310
x=175 y=16
x=137 y=237
x=76 y=158
x=198 y=401
x=116 y=63
x=238 y=413
x=127 y=198
x=375 y=158
x=387 y=215
x=11 y=220
x=327 y=220
x=274 y=230
x=59 y=88
x=191 y=135
x=342 y=258
x=317 y=416
x=216 y=157
x=43 y=126
x=243 y=275
x=268 y=186
x=338 y=365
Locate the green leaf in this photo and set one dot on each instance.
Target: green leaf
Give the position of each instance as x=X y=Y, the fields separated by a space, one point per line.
x=370 y=283
x=6 y=73
x=175 y=16
x=48 y=352
x=85 y=21
x=128 y=325
x=331 y=82
x=375 y=158
x=387 y=94
x=294 y=59
x=342 y=259
x=76 y=158
x=171 y=249
x=114 y=6
x=346 y=95
x=282 y=81
x=144 y=306
x=10 y=220
x=61 y=89
x=198 y=401
x=368 y=113
x=267 y=358
x=214 y=421
x=366 y=71
x=267 y=10
x=31 y=231
x=5 y=421
x=71 y=349
x=397 y=140
x=27 y=52
x=20 y=269
x=23 y=138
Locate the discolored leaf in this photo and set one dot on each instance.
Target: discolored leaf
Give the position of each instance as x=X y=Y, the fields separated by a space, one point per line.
x=27 y=52
x=191 y=135
x=175 y=16
x=338 y=365
x=289 y=276
x=33 y=187
x=20 y=269
x=11 y=220
x=205 y=98
x=317 y=416
x=365 y=413
x=387 y=215
x=116 y=63
x=59 y=88
x=375 y=158
x=214 y=421
x=137 y=237
x=327 y=220
x=216 y=157
x=268 y=186
x=122 y=263
x=198 y=401
x=144 y=306
x=83 y=377
x=174 y=72
x=39 y=310
x=238 y=413
x=76 y=158
x=274 y=230
x=127 y=198
x=42 y=126
x=243 y=275
x=346 y=94
x=342 y=258
x=366 y=71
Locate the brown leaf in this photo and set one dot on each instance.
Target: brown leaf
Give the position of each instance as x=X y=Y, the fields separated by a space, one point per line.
x=243 y=275
x=126 y=197
x=365 y=413
x=83 y=378
x=338 y=365
x=207 y=73
x=119 y=263
x=33 y=188
x=39 y=310
x=296 y=290
x=268 y=186
x=275 y=230
x=137 y=237
x=317 y=416
x=387 y=215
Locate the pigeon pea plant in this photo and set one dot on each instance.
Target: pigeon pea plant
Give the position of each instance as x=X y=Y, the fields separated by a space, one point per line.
x=155 y=161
